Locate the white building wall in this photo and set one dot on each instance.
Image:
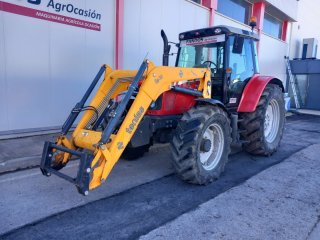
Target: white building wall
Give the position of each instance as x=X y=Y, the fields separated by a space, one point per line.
x=27 y=78
x=143 y=21
x=3 y=106
x=288 y=7
x=307 y=26
x=45 y=67
x=271 y=57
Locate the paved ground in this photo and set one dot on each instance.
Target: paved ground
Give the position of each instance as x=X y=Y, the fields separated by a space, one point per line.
x=21 y=153
x=29 y=196
x=282 y=202
x=139 y=197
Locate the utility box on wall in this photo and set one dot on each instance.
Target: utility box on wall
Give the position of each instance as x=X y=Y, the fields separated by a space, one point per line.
x=307 y=73
x=309 y=48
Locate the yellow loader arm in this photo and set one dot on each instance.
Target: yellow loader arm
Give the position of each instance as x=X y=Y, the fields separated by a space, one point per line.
x=98 y=151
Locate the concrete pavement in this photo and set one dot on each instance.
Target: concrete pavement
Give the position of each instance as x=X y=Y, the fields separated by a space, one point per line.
x=282 y=202
x=22 y=153
x=27 y=196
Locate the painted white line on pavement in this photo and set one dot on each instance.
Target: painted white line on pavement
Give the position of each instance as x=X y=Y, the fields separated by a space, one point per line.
x=29 y=174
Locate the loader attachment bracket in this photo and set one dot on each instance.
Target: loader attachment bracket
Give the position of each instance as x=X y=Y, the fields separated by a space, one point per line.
x=82 y=179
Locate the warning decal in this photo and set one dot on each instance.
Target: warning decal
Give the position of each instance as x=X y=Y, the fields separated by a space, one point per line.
x=203 y=40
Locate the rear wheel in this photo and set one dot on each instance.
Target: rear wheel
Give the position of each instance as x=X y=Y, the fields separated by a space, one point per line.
x=201 y=144
x=264 y=127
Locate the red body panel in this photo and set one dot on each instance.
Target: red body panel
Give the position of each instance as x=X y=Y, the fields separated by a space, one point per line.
x=252 y=93
x=174 y=103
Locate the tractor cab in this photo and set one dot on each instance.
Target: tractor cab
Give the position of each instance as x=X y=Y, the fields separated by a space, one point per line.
x=229 y=52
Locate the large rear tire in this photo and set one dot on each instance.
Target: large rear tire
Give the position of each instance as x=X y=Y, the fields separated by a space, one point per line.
x=263 y=128
x=201 y=144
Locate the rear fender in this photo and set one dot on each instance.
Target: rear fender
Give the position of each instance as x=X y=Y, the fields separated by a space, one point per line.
x=253 y=91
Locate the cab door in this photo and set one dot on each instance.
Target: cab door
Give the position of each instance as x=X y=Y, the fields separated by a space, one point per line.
x=241 y=65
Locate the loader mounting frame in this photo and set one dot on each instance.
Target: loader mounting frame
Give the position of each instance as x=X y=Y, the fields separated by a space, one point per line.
x=83 y=175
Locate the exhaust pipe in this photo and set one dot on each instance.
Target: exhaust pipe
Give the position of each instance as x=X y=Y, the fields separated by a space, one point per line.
x=166 y=49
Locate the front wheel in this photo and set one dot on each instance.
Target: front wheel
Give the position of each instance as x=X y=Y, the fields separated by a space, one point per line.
x=264 y=127
x=201 y=144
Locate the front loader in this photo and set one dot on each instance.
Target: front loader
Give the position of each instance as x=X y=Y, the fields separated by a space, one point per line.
x=100 y=150
x=212 y=99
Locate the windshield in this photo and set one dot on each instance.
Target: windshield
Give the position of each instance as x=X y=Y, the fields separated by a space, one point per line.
x=199 y=55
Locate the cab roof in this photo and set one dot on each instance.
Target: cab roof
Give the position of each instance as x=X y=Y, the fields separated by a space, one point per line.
x=217 y=30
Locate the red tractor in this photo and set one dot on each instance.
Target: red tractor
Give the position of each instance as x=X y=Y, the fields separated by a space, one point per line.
x=246 y=108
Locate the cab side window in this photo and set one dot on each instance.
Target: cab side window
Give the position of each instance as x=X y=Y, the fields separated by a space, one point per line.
x=241 y=63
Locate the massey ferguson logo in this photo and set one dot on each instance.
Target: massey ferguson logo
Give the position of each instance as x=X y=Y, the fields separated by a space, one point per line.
x=36 y=2
x=203 y=40
x=195 y=41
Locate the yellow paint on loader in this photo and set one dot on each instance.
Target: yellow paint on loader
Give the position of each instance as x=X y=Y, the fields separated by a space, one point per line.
x=155 y=81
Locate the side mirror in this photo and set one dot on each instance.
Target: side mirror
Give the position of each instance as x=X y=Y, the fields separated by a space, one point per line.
x=238 y=45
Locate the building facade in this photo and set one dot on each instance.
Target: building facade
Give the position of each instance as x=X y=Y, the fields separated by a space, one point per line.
x=50 y=50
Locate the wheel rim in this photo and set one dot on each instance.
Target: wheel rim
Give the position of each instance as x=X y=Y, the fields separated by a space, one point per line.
x=272 y=121
x=211 y=158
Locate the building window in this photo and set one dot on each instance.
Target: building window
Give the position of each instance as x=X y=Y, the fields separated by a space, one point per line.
x=197 y=1
x=272 y=26
x=239 y=10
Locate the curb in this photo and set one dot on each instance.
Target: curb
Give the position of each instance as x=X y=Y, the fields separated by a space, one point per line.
x=19 y=164
x=24 y=163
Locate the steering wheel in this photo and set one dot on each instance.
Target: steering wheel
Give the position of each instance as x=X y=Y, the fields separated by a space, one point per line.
x=209 y=63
